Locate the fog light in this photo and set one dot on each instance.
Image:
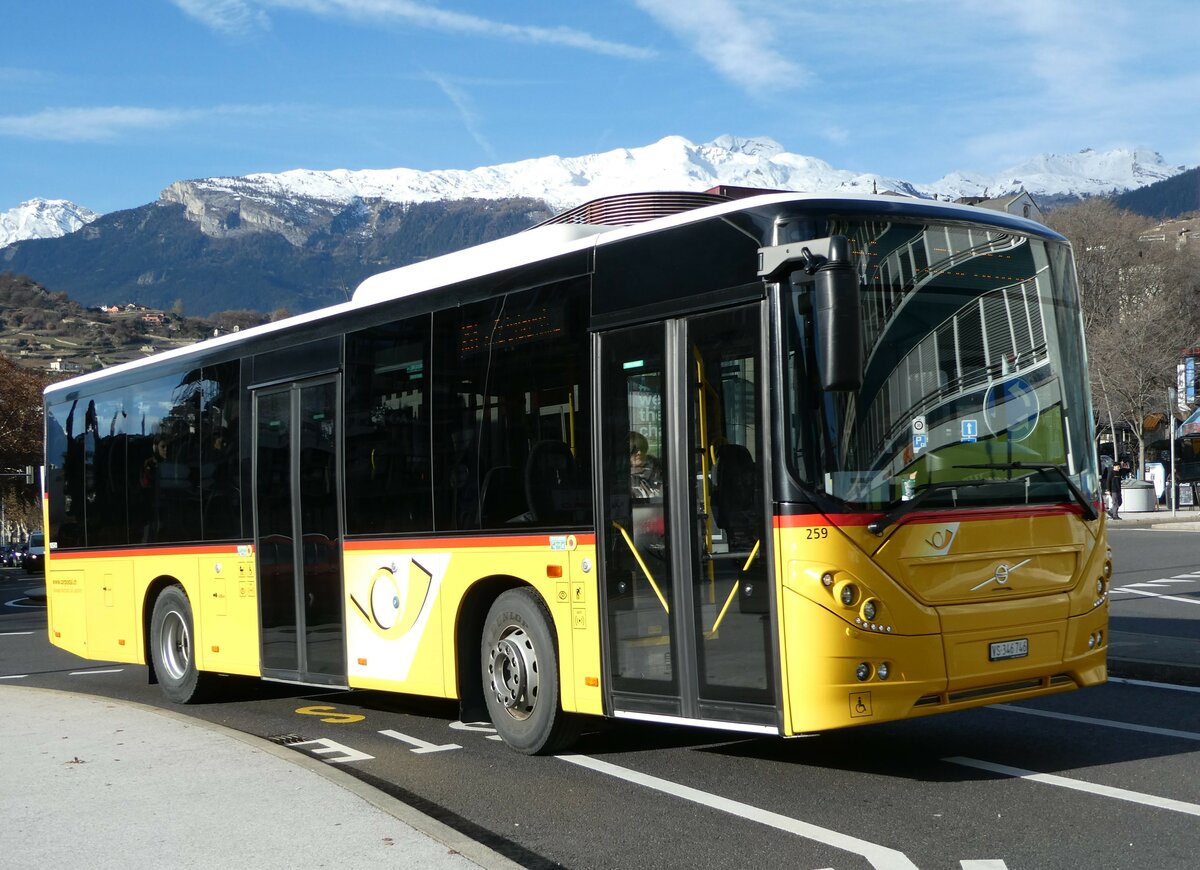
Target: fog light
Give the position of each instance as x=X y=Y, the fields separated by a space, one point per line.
x=1099 y=638
x=1091 y=641
x=863 y=672
x=849 y=594
x=1108 y=569
x=869 y=609
x=827 y=579
x=883 y=670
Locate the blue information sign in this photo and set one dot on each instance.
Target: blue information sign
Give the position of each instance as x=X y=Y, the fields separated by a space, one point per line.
x=1012 y=407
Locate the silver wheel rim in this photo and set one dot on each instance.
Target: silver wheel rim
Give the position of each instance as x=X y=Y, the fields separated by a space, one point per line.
x=175 y=645
x=513 y=672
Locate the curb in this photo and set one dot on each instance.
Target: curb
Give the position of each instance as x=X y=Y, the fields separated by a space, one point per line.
x=1156 y=672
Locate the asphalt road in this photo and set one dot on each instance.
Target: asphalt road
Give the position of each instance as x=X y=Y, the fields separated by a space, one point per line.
x=1108 y=777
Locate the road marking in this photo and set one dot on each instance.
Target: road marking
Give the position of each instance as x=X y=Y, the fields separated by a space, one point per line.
x=419 y=746
x=330 y=715
x=89 y=673
x=338 y=754
x=14 y=677
x=1161 y=597
x=878 y=856
x=477 y=726
x=1154 y=685
x=1104 y=723
x=14 y=633
x=985 y=864
x=16 y=602
x=1123 y=794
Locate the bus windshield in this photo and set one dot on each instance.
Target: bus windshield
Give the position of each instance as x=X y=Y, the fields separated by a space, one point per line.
x=972 y=362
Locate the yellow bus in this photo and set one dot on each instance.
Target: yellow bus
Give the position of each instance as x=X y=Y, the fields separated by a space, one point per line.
x=772 y=463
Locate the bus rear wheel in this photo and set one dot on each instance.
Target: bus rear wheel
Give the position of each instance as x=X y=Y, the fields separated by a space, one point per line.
x=521 y=677
x=172 y=651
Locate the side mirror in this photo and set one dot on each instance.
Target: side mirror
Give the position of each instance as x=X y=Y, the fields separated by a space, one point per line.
x=837 y=309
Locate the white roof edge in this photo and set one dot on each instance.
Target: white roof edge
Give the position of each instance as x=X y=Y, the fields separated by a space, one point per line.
x=528 y=246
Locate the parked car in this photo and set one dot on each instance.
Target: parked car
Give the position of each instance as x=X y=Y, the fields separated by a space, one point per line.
x=35 y=557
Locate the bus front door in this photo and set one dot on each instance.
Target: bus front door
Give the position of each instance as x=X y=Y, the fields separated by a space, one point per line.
x=684 y=535
x=297 y=532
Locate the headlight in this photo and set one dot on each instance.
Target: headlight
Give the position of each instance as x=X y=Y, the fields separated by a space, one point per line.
x=849 y=594
x=883 y=670
x=869 y=610
x=863 y=672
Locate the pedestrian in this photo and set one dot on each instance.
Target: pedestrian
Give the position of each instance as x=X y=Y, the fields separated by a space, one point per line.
x=1112 y=489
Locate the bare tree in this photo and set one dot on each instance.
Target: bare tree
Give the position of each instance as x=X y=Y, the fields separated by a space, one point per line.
x=20 y=442
x=1140 y=313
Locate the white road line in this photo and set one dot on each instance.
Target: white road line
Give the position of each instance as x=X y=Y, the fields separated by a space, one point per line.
x=1103 y=723
x=985 y=864
x=878 y=856
x=14 y=677
x=14 y=633
x=89 y=673
x=1153 y=685
x=1123 y=794
x=1161 y=597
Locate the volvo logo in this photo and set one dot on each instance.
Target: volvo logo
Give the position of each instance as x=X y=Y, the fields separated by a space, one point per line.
x=1003 y=572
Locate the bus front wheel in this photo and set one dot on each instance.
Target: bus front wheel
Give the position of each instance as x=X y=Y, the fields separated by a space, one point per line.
x=520 y=675
x=172 y=649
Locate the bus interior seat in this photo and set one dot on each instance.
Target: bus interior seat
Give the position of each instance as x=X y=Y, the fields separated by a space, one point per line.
x=735 y=496
x=502 y=497
x=551 y=486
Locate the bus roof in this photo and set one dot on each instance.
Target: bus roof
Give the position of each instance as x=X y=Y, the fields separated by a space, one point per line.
x=547 y=241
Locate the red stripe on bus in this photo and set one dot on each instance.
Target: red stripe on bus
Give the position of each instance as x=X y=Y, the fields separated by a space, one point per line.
x=479 y=543
x=931 y=516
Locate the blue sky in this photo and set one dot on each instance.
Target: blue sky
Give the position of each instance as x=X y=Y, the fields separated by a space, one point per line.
x=106 y=102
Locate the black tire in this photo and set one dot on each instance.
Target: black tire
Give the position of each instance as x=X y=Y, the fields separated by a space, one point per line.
x=520 y=675
x=172 y=650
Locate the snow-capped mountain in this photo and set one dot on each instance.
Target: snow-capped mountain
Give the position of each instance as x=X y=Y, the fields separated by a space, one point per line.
x=674 y=163
x=42 y=219
x=299 y=202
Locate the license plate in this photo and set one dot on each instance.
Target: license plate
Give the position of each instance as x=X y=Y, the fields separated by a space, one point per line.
x=1008 y=649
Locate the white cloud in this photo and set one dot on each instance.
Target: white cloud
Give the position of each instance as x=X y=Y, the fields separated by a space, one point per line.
x=466 y=111
x=110 y=123
x=232 y=17
x=98 y=124
x=235 y=16
x=736 y=38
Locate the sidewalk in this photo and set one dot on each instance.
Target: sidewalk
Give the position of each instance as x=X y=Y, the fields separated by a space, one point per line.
x=114 y=784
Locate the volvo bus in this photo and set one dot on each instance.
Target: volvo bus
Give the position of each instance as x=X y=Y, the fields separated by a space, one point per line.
x=773 y=464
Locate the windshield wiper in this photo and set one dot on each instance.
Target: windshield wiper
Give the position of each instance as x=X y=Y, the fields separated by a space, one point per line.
x=1089 y=509
x=904 y=507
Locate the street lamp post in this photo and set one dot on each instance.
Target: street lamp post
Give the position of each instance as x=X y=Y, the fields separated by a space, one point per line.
x=1171 y=415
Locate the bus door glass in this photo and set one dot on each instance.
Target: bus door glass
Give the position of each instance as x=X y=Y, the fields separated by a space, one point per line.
x=684 y=533
x=298 y=537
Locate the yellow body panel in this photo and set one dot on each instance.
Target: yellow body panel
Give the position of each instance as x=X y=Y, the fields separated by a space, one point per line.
x=403 y=606
x=943 y=593
x=98 y=603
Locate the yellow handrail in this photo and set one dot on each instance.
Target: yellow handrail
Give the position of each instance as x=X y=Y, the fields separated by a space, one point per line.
x=642 y=565
x=737 y=581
